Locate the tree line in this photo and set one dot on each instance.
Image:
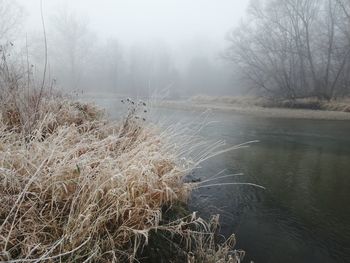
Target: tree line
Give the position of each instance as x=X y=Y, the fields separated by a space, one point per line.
x=79 y=59
x=294 y=49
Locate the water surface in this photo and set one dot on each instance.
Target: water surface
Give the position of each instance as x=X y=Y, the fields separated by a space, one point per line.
x=304 y=213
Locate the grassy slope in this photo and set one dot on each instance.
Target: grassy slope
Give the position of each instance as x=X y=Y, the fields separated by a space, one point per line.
x=342 y=105
x=261 y=107
x=76 y=187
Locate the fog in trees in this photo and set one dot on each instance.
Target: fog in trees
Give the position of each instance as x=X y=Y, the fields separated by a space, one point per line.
x=286 y=49
x=294 y=48
x=178 y=61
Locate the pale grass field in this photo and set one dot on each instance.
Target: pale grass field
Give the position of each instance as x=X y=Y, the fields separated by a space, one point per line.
x=342 y=105
x=76 y=187
x=261 y=107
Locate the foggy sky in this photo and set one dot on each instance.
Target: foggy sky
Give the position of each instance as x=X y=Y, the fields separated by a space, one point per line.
x=130 y=21
x=186 y=37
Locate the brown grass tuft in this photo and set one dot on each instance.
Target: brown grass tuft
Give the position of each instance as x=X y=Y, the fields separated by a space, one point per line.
x=80 y=188
x=75 y=187
x=312 y=103
x=81 y=181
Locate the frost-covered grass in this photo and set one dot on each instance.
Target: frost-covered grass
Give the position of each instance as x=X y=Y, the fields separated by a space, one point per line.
x=342 y=105
x=76 y=187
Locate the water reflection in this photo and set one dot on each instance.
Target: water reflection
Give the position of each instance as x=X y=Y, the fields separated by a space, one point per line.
x=303 y=215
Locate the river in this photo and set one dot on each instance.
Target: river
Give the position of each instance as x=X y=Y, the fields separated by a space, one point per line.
x=303 y=215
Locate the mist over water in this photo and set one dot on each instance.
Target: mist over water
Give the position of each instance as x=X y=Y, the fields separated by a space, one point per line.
x=134 y=47
x=277 y=71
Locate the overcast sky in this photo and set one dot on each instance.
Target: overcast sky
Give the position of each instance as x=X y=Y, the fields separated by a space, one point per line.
x=172 y=21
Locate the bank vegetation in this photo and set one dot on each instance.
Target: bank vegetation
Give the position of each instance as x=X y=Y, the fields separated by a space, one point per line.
x=294 y=49
x=78 y=187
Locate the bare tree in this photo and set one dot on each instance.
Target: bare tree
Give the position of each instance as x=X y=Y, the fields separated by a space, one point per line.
x=294 y=48
x=345 y=5
x=106 y=67
x=72 y=42
x=151 y=69
x=11 y=15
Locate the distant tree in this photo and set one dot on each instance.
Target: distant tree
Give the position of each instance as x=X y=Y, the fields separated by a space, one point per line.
x=113 y=60
x=345 y=5
x=11 y=15
x=200 y=76
x=106 y=68
x=151 y=69
x=71 y=45
x=294 y=48
x=343 y=22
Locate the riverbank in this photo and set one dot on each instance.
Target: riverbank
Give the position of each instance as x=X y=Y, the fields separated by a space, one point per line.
x=254 y=110
x=77 y=187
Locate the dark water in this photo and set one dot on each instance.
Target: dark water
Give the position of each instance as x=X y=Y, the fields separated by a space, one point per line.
x=304 y=213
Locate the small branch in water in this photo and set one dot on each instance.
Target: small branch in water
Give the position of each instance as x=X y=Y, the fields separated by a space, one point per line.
x=224 y=184
x=221 y=177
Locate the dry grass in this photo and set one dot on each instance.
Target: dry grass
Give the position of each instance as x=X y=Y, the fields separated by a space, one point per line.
x=338 y=105
x=342 y=105
x=79 y=188
x=75 y=187
x=244 y=101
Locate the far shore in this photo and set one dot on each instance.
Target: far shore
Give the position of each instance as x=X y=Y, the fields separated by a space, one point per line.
x=247 y=107
x=257 y=110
